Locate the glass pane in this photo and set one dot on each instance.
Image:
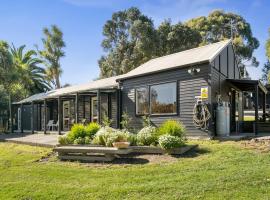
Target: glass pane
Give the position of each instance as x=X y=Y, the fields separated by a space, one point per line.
x=163 y=98
x=142 y=101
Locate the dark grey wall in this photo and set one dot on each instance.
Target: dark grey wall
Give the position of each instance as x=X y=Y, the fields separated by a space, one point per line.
x=223 y=67
x=189 y=86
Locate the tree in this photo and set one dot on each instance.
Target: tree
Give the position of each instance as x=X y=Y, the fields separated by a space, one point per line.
x=267 y=46
x=31 y=76
x=266 y=68
x=176 y=38
x=130 y=40
x=265 y=72
x=52 y=52
x=219 y=25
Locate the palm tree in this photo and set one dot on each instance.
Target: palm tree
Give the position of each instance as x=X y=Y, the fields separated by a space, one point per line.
x=32 y=77
x=52 y=52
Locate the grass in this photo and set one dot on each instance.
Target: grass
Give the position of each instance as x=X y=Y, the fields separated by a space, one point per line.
x=216 y=170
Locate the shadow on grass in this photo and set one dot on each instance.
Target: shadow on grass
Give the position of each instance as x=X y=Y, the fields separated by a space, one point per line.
x=195 y=152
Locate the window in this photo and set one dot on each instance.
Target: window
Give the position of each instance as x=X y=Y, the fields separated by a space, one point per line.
x=142 y=101
x=163 y=98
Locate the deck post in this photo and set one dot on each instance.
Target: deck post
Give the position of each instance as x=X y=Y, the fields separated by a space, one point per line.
x=32 y=117
x=45 y=116
x=98 y=106
x=119 y=110
x=256 y=108
x=264 y=106
x=77 y=108
x=21 y=118
x=11 y=118
x=59 y=115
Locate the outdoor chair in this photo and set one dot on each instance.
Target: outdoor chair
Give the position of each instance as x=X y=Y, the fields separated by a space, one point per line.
x=51 y=125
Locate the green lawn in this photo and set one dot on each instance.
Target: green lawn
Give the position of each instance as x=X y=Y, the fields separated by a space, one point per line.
x=215 y=171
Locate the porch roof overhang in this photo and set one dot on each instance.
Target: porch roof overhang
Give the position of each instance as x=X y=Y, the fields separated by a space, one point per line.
x=247 y=85
x=103 y=85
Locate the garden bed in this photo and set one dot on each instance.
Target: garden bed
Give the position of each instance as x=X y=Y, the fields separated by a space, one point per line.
x=99 y=153
x=158 y=150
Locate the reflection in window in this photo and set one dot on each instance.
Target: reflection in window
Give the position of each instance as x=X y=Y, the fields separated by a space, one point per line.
x=163 y=98
x=142 y=101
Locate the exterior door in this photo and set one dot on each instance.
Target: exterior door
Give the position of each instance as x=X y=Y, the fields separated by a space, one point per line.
x=66 y=115
x=94 y=111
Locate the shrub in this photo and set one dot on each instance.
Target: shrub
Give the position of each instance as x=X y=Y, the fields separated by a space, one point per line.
x=132 y=139
x=106 y=121
x=91 y=129
x=173 y=128
x=79 y=140
x=146 y=121
x=87 y=140
x=102 y=135
x=63 y=140
x=169 y=142
x=76 y=131
x=117 y=136
x=125 y=121
x=147 y=136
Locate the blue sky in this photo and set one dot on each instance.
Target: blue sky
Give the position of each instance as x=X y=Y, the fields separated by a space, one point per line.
x=22 y=21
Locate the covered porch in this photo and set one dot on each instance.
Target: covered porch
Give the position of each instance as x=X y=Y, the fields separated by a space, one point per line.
x=56 y=111
x=260 y=124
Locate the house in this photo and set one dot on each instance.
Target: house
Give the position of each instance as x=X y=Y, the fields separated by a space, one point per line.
x=162 y=88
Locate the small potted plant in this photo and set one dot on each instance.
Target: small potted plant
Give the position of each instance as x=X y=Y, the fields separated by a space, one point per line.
x=120 y=140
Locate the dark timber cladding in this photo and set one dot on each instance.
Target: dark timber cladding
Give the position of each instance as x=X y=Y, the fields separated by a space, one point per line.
x=189 y=86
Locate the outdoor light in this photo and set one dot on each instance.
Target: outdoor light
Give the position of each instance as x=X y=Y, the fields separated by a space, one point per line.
x=193 y=70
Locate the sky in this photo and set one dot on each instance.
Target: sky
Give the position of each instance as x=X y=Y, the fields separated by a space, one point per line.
x=22 y=21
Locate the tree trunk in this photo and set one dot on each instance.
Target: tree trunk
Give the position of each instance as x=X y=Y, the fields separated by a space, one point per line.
x=57 y=80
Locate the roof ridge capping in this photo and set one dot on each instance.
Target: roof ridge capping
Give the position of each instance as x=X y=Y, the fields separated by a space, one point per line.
x=226 y=41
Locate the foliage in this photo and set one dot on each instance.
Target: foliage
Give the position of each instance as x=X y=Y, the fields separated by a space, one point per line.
x=91 y=129
x=77 y=130
x=20 y=74
x=132 y=139
x=52 y=52
x=130 y=40
x=102 y=135
x=30 y=74
x=266 y=67
x=265 y=72
x=146 y=121
x=177 y=37
x=173 y=128
x=219 y=25
x=147 y=136
x=125 y=121
x=117 y=136
x=64 y=140
x=87 y=140
x=169 y=142
x=106 y=121
x=267 y=46
x=79 y=140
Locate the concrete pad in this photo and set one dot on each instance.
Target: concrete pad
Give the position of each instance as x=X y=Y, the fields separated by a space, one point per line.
x=31 y=139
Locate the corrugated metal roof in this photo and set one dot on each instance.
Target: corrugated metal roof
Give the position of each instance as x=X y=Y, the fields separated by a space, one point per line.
x=180 y=59
x=106 y=83
x=189 y=57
